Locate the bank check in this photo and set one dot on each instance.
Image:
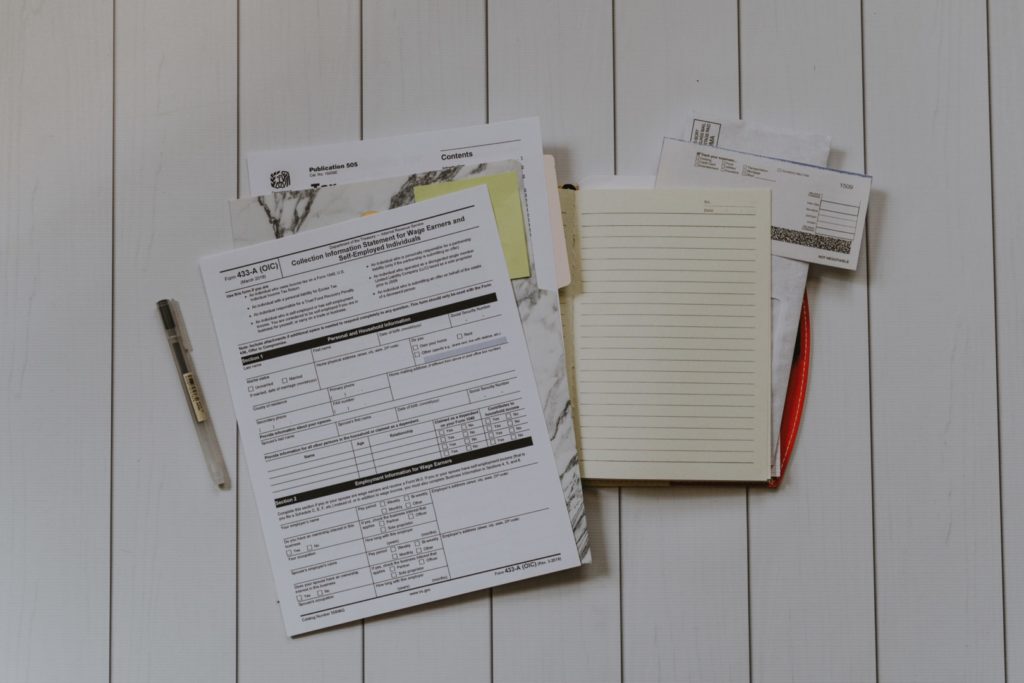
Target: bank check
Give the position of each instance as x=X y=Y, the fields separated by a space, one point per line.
x=818 y=214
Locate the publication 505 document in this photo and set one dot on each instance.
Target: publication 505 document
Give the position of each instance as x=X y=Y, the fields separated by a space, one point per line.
x=388 y=412
x=347 y=162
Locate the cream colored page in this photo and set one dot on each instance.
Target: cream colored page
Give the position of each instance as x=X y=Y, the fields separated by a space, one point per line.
x=672 y=334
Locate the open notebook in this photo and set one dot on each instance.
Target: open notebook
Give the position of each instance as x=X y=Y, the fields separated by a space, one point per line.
x=668 y=333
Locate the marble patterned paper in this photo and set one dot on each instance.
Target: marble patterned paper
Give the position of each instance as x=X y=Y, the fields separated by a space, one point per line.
x=279 y=214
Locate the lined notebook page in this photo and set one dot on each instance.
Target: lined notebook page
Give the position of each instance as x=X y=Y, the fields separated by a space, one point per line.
x=671 y=327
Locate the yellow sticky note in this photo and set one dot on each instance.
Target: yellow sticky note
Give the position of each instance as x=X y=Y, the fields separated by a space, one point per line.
x=508 y=214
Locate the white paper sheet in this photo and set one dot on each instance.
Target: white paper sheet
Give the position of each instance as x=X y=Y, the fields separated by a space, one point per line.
x=346 y=162
x=562 y=270
x=257 y=219
x=746 y=136
x=388 y=412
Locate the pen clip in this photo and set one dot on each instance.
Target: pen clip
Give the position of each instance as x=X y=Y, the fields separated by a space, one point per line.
x=179 y=325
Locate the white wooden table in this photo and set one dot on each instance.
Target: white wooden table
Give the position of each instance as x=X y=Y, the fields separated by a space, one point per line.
x=894 y=552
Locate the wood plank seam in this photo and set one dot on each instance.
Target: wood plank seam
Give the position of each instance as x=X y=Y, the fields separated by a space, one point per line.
x=867 y=277
x=995 y=319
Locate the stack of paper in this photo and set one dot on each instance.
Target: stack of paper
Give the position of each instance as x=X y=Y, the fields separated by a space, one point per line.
x=400 y=379
x=818 y=215
x=392 y=329
x=794 y=188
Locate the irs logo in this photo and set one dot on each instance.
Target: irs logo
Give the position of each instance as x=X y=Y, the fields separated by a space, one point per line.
x=280 y=179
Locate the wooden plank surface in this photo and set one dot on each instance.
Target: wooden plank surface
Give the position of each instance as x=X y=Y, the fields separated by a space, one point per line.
x=423 y=69
x=684 y=550
x=670 y=58
x=565 y=627
x=424 y=66
x=684 y=585
x=1006 y=87
x=294 y=93
x=555 y=61
x=811 y=570
x=291 y=93
x=173 y=606
x=933 y=383
x=55 y=237
x=119 y=475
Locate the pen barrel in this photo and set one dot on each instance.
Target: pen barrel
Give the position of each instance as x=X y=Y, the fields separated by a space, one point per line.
x=200 y=414
x=195 y=396
x=177 y=340
x=187 y=377
x=212 y=454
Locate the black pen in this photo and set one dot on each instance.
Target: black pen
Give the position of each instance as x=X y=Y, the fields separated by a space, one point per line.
x=178 y=340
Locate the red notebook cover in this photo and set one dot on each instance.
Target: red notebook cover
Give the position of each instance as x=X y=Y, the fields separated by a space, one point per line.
x=795 y=394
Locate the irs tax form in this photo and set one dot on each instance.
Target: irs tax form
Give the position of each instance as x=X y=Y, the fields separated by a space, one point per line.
x=388 y=412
